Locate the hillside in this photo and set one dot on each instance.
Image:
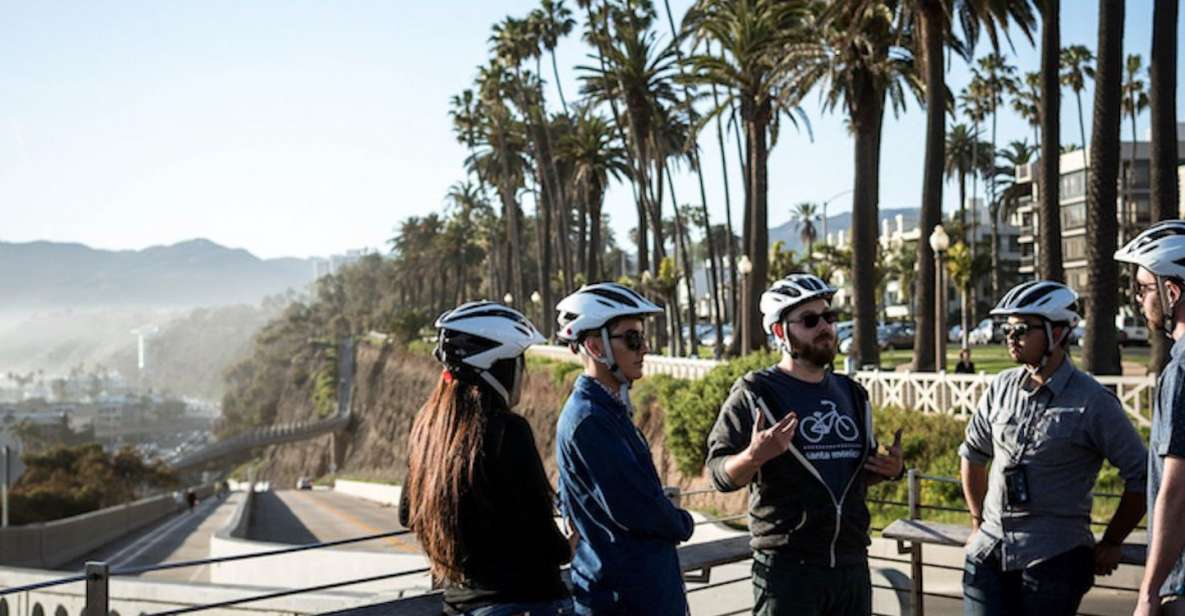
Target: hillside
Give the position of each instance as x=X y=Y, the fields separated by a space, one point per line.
x=49 y=275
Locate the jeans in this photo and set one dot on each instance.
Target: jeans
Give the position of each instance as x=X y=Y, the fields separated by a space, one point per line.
x=1052 y=587
x=784 y=586
x=559 y=607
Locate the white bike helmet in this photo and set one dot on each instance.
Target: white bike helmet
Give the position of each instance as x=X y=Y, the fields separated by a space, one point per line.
x=483 y=343
x=1159 y=249
x=790 y=292
x=589 y=309
x=1053 y=302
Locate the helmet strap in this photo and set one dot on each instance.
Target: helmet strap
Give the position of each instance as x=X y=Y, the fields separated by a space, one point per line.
x=606 y=359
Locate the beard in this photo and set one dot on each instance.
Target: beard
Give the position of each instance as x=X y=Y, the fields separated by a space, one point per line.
x=820 y=351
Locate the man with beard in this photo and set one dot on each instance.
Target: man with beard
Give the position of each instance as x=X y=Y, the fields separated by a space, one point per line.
x=1157 y=258
x=801 y=438
x=1045 y=427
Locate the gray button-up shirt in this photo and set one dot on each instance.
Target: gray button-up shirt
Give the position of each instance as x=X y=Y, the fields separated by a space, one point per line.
x=1072 y=423
x=1168 y=439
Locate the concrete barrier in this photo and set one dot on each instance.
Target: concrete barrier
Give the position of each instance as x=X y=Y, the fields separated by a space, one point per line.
x=310 y=567
x=52 y=544
x=382 y=493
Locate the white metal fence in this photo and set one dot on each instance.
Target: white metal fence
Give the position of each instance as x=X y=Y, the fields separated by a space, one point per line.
x=928 y=392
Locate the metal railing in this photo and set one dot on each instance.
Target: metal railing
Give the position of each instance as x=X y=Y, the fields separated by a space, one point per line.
x=97 y=576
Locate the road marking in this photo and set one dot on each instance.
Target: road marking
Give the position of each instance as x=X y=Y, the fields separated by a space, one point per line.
x=158 y=535
x=396 y=542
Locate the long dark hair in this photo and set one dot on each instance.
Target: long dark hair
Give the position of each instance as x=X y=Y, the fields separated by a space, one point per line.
x=446 y=442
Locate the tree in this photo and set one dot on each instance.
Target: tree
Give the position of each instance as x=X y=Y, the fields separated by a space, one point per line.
x=965 y=155
x=1049 y=235
x=595 y=156
x=974 y=102
x=1077 y=67
x=1162 y=84
x=964 y=269
x=863 y=57
x=1134 y=100
x=1100 y=354
x=753 y=35
x=1008 y=194
x=1026 y=102
x=804 y=215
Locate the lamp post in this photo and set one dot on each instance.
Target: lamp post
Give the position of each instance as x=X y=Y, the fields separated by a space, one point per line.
x=825 y=203
x=508 y=299
x=939 y=242
x=744 y=267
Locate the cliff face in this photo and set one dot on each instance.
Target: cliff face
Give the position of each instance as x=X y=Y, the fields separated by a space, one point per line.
x=389 y=388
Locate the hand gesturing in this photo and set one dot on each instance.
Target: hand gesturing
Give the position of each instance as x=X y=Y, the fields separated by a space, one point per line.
x=766 y=444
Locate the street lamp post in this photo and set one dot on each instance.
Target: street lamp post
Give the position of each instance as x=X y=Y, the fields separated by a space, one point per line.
x=744 y=267
x=825 y=203
x=939 y=242
x=508 y=299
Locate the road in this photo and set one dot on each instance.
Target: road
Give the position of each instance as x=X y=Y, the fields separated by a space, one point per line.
x=307 y=516
x=177 y=537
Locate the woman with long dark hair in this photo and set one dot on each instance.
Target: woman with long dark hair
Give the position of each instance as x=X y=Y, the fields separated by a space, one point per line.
x=476 y=493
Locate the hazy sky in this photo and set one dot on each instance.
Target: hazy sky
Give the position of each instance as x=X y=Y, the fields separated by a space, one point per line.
x=301 y=128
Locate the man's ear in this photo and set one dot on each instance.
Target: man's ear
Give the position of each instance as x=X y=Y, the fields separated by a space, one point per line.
x=594 y=346
x=1173 y=290
x=778 y=329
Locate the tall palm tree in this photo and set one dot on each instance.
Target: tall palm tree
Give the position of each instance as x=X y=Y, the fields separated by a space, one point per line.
x=1162 y=84
x=553 y=21
x=1026 y=102
x=730 y=247
x=1099 y=355
x=998 y=78
x=974 y=103
x=1049 y=235
x=637 y=72
x=595 y=156
x=1077 y=66
x=804 y=214
x=753 y=35
x=933 y=20
x=1134 y=100
x=961 y=147
x=964 y=270
x=1007 y=201
x=862 y=58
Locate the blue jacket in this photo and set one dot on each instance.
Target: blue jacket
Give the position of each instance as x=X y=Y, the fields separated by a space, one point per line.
x=626 y=561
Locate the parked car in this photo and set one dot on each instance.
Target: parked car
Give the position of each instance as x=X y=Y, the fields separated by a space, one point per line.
x=843 y=331
x=1132 y=330
x=897 y=335
x=987 y=332
x=304 y=483
x=707 y=335
x=955 y=334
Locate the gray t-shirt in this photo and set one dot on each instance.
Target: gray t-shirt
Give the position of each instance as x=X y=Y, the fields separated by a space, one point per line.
x=1060 y=433
x=1168 y=439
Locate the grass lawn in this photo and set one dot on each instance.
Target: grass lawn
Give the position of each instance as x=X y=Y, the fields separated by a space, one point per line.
x=993 y=358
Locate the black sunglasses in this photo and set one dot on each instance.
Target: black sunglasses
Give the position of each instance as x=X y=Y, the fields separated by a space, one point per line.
x=633 y=338
x=811 y=320
x=1016 y=330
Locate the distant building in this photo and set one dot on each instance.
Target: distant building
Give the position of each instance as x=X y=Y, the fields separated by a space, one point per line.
x=333 y=264
x=1132 y=210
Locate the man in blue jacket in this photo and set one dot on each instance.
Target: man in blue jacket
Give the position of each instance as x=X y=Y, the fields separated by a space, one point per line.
x=625 y=560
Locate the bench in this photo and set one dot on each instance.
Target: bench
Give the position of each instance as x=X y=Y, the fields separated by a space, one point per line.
x=938 y=533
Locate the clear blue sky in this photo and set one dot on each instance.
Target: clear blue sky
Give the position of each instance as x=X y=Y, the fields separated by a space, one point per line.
x=302 y=128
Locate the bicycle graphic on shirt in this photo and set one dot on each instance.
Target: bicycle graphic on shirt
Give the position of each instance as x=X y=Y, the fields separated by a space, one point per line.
x=820 y=424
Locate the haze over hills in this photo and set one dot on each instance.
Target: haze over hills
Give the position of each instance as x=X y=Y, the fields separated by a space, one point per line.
x=50 y=275
x=788 y=231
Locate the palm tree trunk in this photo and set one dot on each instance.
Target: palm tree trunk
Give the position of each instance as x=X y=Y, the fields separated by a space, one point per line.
x=559 y=88
x=1162 y=107
x=963 y=230
x=757 y=125
x=582 y=234
x=867 y=116
x=975 y=192
x=1101 y=352
x=931 y=214
x=1049 y=237
x=965 y=326
x=730 y=248
x=688 y=268
x=994 y=212
x=593 y=272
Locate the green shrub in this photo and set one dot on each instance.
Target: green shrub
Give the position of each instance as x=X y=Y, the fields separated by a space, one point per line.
x=692 y=406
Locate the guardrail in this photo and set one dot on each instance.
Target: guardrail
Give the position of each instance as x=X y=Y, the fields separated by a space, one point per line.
x=678 y=367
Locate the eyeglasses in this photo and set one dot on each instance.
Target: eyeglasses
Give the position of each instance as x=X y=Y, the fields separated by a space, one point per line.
x=811 y=320
x=634 y=339
x=1016 y=330
x=1139 y=289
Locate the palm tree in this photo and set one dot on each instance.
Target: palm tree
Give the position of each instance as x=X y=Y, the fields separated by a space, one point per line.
x=998 y=78
x=1076 y=69
x=1100 y=354
x=1162 y=84
x=934 y=19
x=960 y=150
x=466 y=201
x=595 y=156
x=804 y=215
x=1026 y=102
x=1008 y=194
x=706 y=221
x=753 y=35
x=1049 y=238
x=730 y=248
x=861 y=59
x=553 y=21
x=1134 y=100
x=974 y=102
x=964 y=270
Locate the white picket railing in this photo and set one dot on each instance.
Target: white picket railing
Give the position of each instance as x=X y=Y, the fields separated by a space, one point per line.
x=928 y=392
